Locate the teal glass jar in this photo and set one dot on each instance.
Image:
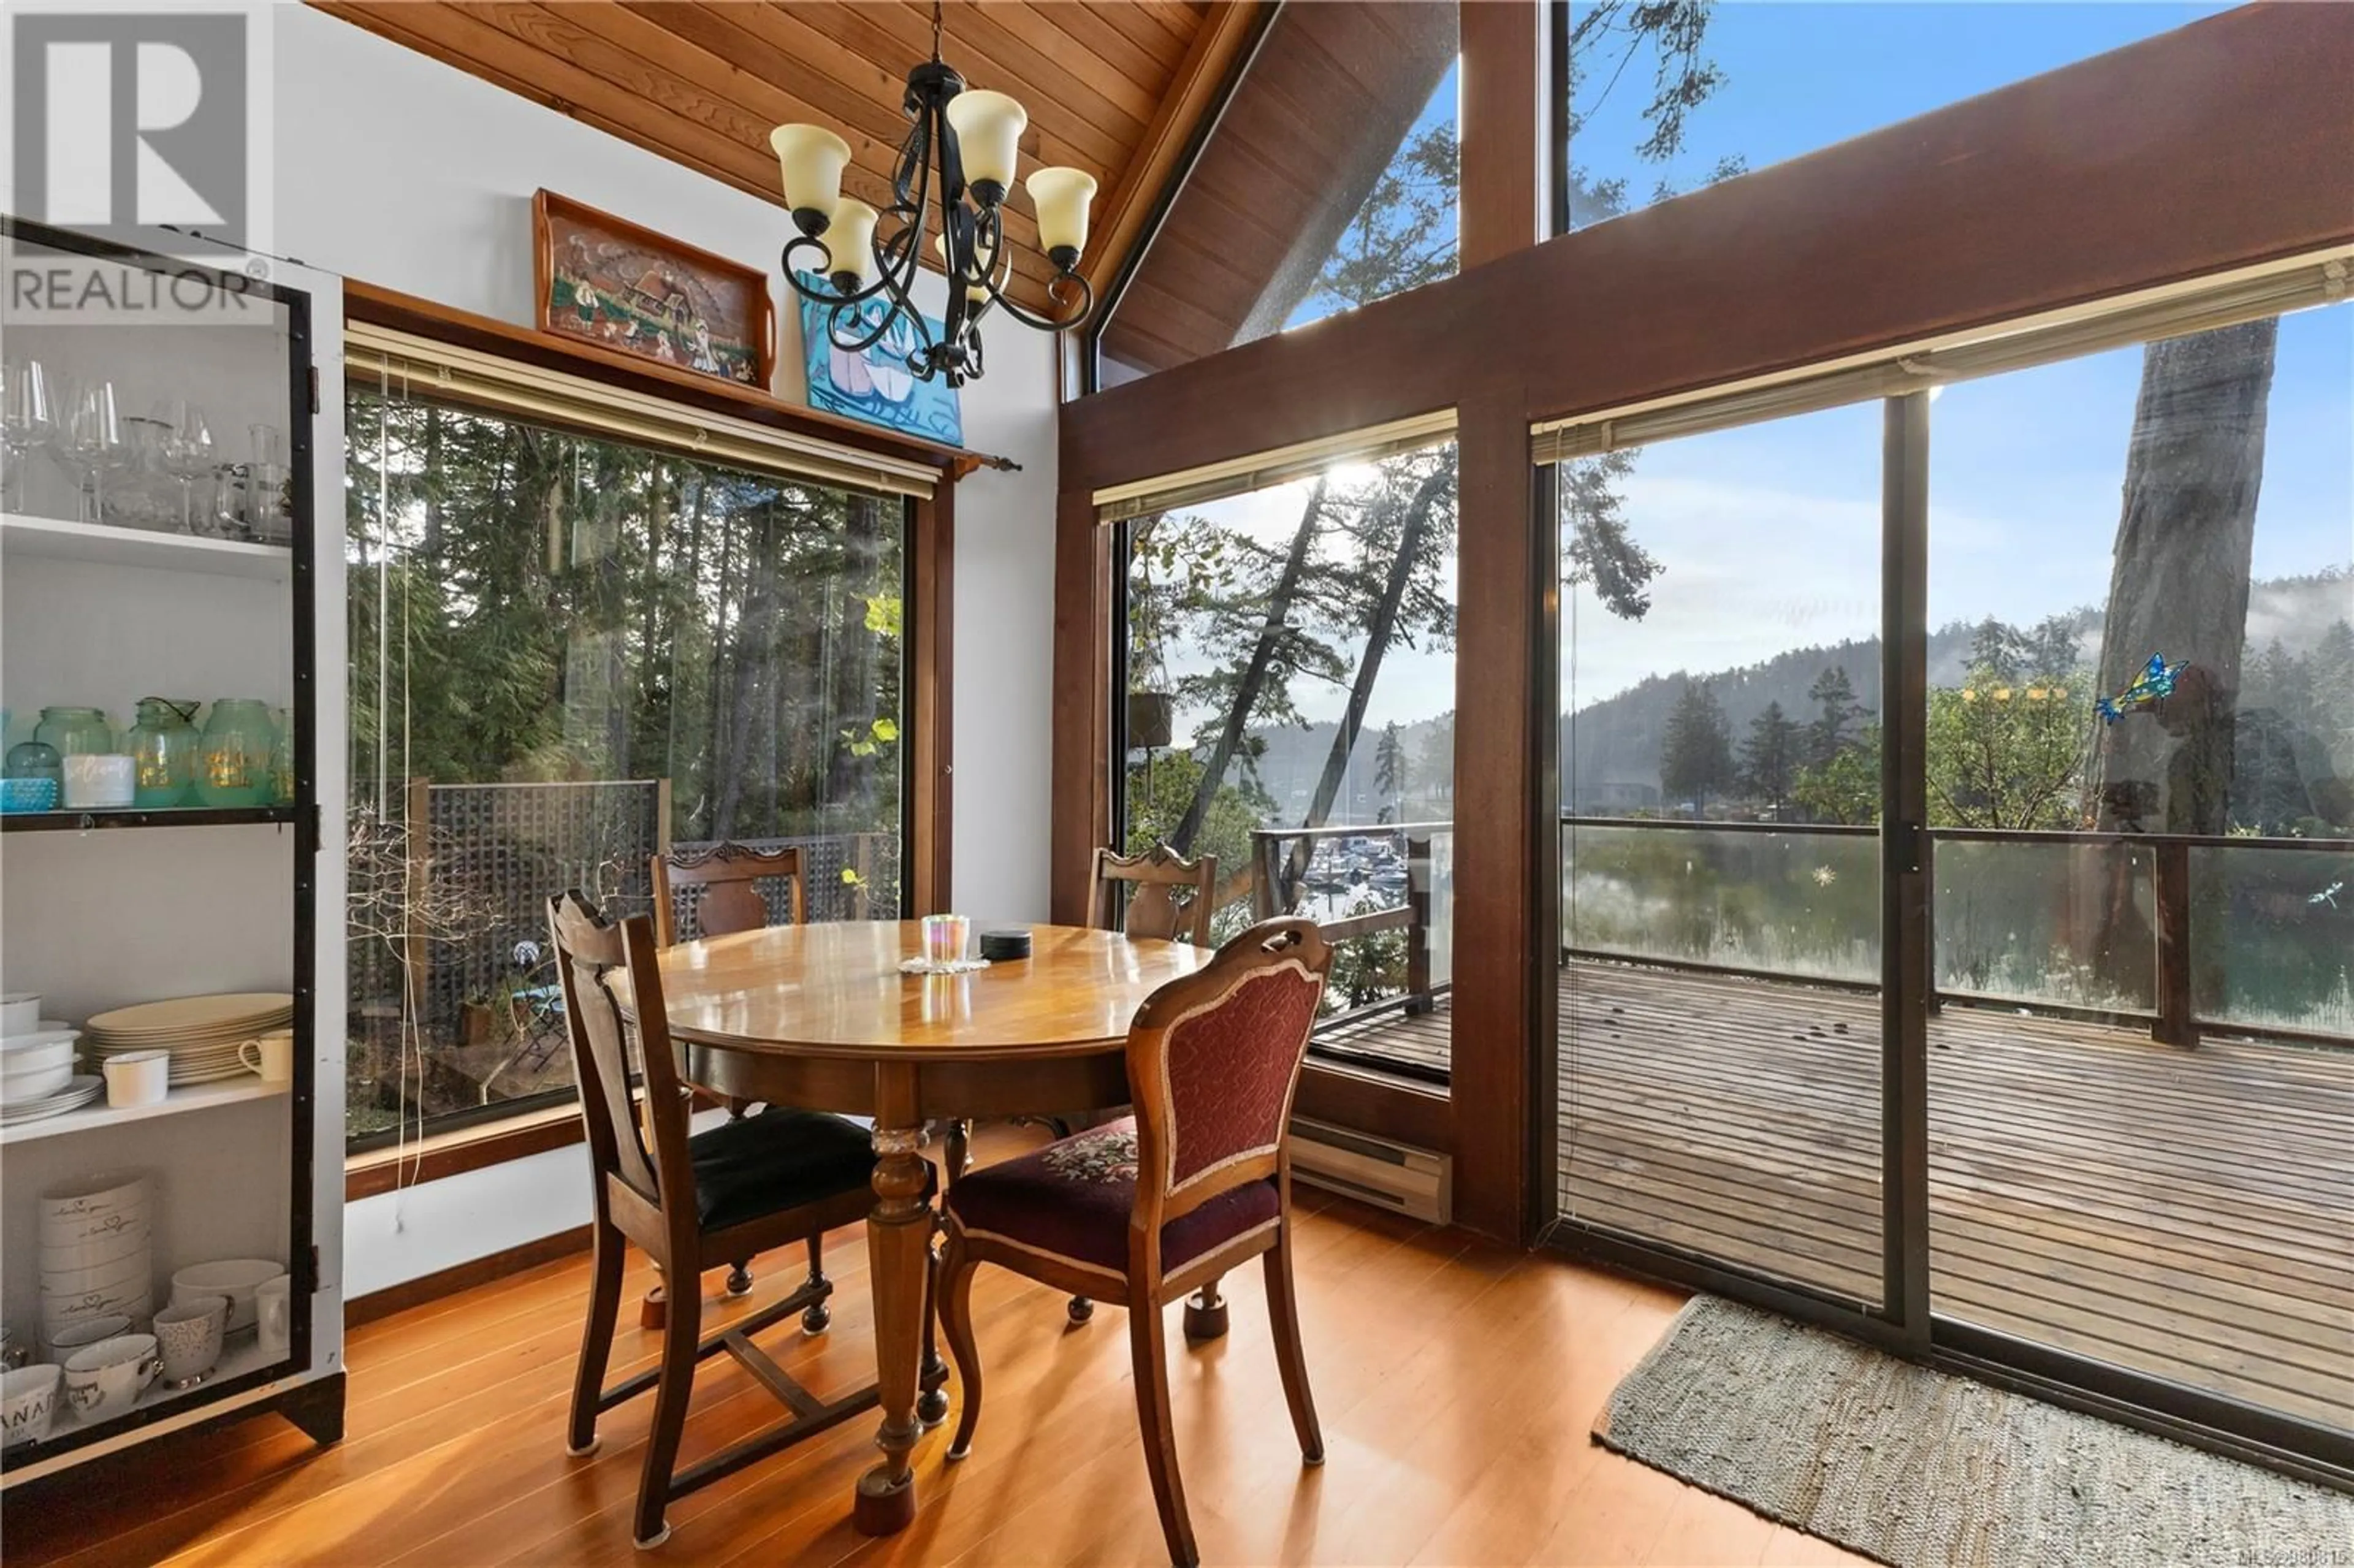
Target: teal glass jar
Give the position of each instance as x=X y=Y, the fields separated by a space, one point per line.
x=75 y=732
x=164 y=746
x=35 y=759
x=233 y=762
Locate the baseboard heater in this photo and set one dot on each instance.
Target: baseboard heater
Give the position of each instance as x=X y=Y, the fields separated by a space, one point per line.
x=1411 y=1182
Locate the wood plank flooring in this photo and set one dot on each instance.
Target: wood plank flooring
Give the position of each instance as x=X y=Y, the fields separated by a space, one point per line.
x=2185 y=1213
x=1456 y=1382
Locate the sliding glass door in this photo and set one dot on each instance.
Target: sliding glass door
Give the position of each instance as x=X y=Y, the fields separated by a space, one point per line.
x=1991 y=992
x=1719 y=988
x=2140 y=716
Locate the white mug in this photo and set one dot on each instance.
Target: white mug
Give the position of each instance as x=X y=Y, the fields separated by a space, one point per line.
x=107 y=1379
x=138 y=1078
x=272 y=1322
x=271 y=1056
x=28 y=1401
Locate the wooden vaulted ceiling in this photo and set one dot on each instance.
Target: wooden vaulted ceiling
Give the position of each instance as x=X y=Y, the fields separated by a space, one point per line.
x=1115 y=88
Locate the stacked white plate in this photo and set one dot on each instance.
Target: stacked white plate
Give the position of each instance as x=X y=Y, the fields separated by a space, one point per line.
x=202 y=1032
x=96 y=1251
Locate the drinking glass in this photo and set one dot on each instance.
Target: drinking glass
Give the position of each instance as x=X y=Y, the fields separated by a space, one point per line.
x=95 y=443
x=188 y=454
x=28 y=423
x=141 y=497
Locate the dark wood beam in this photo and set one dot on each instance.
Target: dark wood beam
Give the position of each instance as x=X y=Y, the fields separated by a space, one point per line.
x=2213 y=146
x=1503 y=202
x=930 y=615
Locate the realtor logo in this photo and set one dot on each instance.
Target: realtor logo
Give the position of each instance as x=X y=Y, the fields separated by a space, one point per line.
x=130 y=122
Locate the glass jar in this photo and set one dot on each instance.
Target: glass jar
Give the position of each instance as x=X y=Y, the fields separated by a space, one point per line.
x=282 y=758
x=35 y=759
x=75 y=732
x=233 y=762
x=162 y=747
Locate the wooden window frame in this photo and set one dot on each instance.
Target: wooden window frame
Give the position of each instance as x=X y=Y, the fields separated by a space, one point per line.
x=2202 y=150
x=928 y=705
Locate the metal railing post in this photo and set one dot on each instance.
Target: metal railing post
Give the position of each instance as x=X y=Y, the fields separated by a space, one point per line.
x=2177 y=1025
x=1417 y=924
x=1263 y=857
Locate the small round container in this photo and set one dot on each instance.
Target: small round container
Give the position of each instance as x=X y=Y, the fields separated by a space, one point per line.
x=138 y=1078
x=34 y=759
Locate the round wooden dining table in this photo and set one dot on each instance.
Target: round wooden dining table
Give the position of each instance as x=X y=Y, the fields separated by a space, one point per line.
x=822 y=1017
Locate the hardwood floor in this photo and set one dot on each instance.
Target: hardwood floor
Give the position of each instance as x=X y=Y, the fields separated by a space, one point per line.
x=1457 y=1382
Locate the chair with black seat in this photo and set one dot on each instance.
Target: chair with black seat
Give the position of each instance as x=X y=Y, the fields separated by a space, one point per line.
x=1142 y=1210
x=695 y=1202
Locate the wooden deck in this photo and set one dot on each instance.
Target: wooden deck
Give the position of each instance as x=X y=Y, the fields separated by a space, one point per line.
x=2185 y=1213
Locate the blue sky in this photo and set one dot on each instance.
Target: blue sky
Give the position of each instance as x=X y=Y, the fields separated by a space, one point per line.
x=1770 y=534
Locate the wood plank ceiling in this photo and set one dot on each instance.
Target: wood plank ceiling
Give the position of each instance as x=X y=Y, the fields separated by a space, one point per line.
x=1113 y=87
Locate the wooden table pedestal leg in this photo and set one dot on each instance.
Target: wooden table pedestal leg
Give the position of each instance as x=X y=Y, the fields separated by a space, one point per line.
x=898 y=1246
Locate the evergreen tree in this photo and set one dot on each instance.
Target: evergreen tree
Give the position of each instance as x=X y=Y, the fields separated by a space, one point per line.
x=1390 y=773
x=1769 y=758
x=1835 y=696
x=1696 y=755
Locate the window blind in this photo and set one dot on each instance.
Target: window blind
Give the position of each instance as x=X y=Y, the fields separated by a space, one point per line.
x=2250 y=295
x=403 y=361
x=1262 y=470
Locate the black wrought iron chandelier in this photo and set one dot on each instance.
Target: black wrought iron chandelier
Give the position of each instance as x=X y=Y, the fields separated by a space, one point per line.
x=965 y=141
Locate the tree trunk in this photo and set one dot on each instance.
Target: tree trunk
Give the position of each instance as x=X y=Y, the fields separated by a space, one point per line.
x=1230 y=734
x=1378 y=633
x=2178 y=589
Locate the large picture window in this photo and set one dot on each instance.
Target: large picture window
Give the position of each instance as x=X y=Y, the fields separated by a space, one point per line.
x=568 y=654
x=1290 y=655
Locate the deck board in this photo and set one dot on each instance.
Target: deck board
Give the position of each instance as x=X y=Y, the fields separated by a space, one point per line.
x=2184 y=1213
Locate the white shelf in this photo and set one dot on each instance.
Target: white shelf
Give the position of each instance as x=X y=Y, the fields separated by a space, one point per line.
x=194 y=1097
x=57 y=538
x=240 y=1353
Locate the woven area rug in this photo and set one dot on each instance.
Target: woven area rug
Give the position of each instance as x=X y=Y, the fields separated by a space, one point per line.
x=1923 y=1469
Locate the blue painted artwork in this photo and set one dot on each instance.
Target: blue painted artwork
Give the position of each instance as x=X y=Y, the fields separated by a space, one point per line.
x=877 y=386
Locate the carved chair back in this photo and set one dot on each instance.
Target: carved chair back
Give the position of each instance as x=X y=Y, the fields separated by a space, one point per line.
x=1154 y=882
x=729 y=874
x=1214 y=1061
x=640 y=1142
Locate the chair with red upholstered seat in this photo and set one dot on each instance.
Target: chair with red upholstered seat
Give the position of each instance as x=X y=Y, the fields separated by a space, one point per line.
x=1142 y=1210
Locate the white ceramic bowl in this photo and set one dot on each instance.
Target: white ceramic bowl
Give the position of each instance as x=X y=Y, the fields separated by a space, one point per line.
x=103 y=1278
x=93 y=1206
x=236 y=1278
x=28 y=1402
x=112 y=1247
x=134 y=1302
x=39 y=1033
x=20 y=1012
x=86 y=1333
x=23 y=1088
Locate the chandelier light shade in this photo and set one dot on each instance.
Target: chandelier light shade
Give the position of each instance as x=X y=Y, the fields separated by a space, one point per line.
x=959 y=162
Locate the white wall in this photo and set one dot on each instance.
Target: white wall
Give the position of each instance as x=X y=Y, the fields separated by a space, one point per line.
x=399 y=171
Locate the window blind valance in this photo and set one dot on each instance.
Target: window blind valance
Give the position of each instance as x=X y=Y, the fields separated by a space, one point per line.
x=2246 y=296
x=401 y=362
x=1262 y=470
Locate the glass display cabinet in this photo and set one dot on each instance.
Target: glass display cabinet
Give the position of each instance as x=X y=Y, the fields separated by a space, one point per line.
x=171 y=851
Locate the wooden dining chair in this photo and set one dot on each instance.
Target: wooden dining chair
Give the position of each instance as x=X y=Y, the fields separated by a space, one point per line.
x=1152 y=882
x=695 y=1202
x=1138 y=895
x=1140 y=1211
x=729 y=874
